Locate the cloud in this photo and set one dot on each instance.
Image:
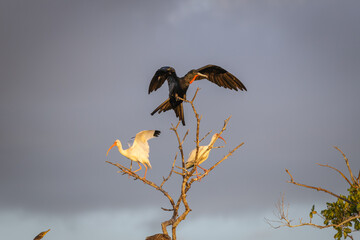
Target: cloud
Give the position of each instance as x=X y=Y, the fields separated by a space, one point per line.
x=188 y=8
x=91 y=225
x=133 y=224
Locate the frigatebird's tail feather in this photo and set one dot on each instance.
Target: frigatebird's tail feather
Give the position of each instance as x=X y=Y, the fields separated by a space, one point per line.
x=165 y=106
x=179 y=112
x=182 y=115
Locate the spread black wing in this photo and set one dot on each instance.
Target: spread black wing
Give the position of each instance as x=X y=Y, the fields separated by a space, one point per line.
x=221 y=77
x=159 y=78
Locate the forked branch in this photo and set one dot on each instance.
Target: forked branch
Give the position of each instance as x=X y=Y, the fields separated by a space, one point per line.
x=355 y=181
x=316 y=188
x=125 y=170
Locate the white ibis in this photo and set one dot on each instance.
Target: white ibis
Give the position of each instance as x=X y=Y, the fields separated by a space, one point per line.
x=139 y=151
x=178 y=86
x=203 y=154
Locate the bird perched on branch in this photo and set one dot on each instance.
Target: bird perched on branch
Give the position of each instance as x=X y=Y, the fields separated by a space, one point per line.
x=179 y=86
x=41 y=235
x=203 y=154
x=139 y=151
x=159 y=236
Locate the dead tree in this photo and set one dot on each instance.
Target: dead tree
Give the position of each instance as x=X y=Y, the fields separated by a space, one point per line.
x=342 y=215
x=188 y=177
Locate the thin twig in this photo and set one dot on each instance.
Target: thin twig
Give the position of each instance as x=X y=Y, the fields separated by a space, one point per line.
x=181 y=174
x=179 y=142
x=171 y=171
x=205 y=136
x=348 y=166
x=321 y=226
x=187 y=132
x=166 y=209
x=218 y=147
x=336 y=170
x=284 y=221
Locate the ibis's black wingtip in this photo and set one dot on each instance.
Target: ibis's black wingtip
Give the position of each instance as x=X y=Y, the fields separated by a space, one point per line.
x=156 y=133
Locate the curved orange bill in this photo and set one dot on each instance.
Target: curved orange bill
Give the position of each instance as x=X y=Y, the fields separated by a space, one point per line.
x=222 y=139
x=193 y=79
x=110 y=148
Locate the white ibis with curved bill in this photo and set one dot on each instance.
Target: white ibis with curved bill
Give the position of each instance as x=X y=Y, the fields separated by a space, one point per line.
x=139 y=151
x=179 y=86
x=203 y=154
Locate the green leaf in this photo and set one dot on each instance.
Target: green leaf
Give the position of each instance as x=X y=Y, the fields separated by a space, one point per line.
x=338 y=235
x=357 y=225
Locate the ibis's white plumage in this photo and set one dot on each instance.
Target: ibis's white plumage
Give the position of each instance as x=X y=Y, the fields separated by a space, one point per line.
x=203 y=153
x=139 y=151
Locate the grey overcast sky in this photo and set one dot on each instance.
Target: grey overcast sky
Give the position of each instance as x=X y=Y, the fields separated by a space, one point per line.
x=74 y=77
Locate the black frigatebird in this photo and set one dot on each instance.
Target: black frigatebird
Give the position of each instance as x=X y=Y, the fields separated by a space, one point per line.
x=179 y=86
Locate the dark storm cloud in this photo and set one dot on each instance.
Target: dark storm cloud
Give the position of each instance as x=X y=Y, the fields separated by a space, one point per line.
x=75 y=77
x=56 y=92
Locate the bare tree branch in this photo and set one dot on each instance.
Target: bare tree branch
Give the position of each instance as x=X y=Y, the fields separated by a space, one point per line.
x=180 y=143
x=284 y=220
x=205 y=136
x=317 y=188
x=198 y=119
x=144 y=180
x=171 y=171
x=337 y=171
x=167 y=209
x=187 y=132
x=348 y=166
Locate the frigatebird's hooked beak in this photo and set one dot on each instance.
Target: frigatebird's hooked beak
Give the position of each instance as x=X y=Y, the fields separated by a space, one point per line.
x=198 y=74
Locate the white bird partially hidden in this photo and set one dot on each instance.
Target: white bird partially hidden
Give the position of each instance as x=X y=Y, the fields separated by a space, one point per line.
x=139 y=151
x=203 y=154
